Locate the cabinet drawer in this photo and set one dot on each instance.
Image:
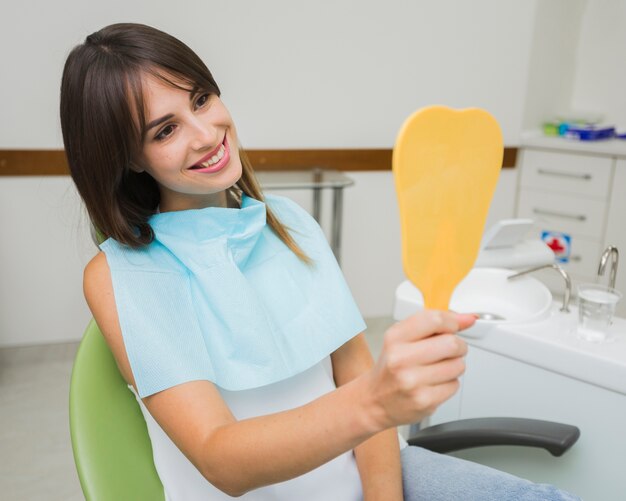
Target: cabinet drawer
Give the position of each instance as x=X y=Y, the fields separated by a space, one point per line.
x=575 y=174
x=558 y=212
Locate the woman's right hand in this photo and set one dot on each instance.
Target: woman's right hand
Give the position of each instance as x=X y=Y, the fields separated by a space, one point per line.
x=418 y=369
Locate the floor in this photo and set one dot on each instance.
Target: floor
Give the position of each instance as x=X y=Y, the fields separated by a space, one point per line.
x=36 y=462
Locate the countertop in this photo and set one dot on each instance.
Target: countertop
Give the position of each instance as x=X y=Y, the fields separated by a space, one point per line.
x=553 y=344
x=607 y=147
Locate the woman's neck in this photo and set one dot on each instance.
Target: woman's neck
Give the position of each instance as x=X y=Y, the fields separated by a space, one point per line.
x=224 y=199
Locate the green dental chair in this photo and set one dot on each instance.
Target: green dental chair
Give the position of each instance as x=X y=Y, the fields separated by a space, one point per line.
x=112 y=449
x=113 y=454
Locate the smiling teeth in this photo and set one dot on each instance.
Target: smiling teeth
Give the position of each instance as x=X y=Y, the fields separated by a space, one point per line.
x=215 y=158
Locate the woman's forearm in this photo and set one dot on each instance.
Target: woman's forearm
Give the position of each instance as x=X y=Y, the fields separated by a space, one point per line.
x=378 y=460
x=415 y=373
x=264 y=450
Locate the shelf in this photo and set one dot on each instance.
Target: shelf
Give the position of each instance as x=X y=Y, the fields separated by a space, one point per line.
x=607 y=147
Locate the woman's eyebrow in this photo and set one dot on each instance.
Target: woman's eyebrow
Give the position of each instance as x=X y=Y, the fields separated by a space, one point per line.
x=169 y=116
x=156 y=122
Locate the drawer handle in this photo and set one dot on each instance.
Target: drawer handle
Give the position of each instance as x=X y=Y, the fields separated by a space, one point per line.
x=547 y=172
x=560 y=214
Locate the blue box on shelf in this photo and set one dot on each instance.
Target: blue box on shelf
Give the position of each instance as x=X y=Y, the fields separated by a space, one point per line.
x=590 y=132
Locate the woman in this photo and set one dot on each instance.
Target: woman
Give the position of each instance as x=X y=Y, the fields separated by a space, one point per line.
x=226 y=311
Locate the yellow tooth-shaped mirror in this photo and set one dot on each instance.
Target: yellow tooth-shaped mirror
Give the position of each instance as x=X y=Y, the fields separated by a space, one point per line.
x=446 y=165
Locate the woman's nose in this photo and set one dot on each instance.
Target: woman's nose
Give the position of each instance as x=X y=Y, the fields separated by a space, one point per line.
x=204 y=135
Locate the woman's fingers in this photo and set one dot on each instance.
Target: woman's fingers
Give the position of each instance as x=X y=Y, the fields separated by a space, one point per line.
x=420 y=365
x=427 y=351
x=414 y=378
x=434 y=396
x=442 y=372
x=466 y=320
x=426 y=323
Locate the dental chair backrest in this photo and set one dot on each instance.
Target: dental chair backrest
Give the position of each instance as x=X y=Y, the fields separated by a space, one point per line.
x=112 y=449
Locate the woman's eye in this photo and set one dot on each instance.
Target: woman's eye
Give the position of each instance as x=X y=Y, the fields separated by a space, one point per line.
x=165 y=133
x=202 y=100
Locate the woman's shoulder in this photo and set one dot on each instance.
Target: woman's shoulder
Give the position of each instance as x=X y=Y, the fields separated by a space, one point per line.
x=96 y=267
x=96 y=279
x=98 y=290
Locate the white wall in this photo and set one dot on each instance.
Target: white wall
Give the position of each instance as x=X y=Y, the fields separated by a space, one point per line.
x=556 y=39
x=600 y=77
x=44 y=246
x=295 y=74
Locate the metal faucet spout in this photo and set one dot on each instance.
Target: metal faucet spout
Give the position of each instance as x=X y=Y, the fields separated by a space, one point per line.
x=562 y=272
x=610 y=251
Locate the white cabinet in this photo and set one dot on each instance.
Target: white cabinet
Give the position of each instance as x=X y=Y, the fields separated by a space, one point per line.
x=542 y=370
x=580 y=193
x=498 y=385
x=568 y=173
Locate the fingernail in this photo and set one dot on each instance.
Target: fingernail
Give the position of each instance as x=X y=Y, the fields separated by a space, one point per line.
x=468 y=315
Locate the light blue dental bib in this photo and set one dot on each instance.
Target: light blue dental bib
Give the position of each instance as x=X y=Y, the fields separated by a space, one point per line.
x=217 y=296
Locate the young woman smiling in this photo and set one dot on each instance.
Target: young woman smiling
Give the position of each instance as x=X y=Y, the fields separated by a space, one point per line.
x=226 y=311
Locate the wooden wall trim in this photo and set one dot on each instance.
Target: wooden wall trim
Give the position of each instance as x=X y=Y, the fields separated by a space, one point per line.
x=54 y=163
x=33 y=163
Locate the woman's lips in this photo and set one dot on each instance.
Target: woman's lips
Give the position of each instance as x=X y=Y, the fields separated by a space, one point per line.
x=221 y=161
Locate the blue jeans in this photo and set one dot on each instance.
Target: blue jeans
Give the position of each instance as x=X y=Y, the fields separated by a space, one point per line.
x=428 y=476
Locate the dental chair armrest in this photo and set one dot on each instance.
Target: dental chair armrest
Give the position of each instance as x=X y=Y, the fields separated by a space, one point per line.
x=556 y=438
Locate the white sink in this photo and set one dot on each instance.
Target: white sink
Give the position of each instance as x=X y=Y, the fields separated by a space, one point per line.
x=486 y=290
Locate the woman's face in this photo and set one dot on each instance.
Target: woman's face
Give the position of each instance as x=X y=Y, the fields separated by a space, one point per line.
x=189 y=146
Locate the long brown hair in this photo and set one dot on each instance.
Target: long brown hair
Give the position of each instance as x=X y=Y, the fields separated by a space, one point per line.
x=102 y=119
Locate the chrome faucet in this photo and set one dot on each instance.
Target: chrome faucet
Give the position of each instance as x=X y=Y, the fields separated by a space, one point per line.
x=612 y=252
x=562 y=272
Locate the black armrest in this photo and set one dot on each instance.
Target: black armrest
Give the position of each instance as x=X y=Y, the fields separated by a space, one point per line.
x=556 y=438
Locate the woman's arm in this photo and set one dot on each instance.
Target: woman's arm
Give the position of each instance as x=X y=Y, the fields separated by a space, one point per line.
x=238 y=456
x=378 y=458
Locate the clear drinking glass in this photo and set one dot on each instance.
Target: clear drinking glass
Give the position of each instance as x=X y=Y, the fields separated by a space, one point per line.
x=596 y=307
